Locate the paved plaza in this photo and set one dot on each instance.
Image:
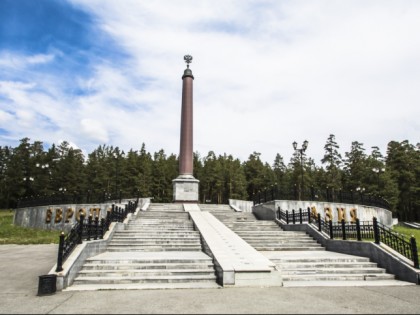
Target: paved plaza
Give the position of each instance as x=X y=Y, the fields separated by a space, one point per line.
x=20 y=266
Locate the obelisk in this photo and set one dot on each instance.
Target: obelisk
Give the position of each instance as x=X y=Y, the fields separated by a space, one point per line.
x=185 y=186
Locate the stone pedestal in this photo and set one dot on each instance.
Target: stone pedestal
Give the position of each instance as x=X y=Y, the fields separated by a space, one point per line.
x=185 y=189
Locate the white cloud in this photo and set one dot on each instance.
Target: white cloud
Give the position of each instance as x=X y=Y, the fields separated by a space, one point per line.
x=94 y=130
x=19 y=61
x=267 y=73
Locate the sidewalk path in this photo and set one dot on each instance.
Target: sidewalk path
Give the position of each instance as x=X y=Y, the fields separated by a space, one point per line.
x=20 y=266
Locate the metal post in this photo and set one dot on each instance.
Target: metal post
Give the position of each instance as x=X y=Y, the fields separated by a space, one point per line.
x=287 y=216
x=278 y=213
x=82 y=218
x=376 y=231
x=120 y=195
x=309 y=216
x=343 y=228
x=359 y=235
x=61 y=252
x=300 y=215
x=319 y=222
x=96 y=227
x=89 y=227
x=331 y=229
x=101 y=235
x=293 y=216
x=414 y=252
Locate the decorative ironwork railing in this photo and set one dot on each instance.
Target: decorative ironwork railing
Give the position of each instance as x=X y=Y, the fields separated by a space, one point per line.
x=90 y=229
x=321 y=195
x=359 y=230
x=61 y=198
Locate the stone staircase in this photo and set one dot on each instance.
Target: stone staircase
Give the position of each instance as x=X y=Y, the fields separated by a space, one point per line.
x=329 y=267
x=302 y=261
x=159 y=249
x=264 y=235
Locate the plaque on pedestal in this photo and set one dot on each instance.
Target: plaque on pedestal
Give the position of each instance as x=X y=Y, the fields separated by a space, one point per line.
x=185 y=189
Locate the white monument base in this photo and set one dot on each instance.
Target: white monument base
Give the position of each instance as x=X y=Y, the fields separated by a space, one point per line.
x=185 y=189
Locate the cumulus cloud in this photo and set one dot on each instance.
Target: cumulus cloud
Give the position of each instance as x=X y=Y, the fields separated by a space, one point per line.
x=94 y=130
x=267 y=73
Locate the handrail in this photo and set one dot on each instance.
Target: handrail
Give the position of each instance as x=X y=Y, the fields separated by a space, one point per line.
x=93 y=229
x=61 y=198
x=321 y=195
x=372 y=230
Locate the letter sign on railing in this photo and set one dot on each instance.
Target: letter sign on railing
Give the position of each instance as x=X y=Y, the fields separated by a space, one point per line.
x=328 y=214
x=58 y=215
x=79 y=213
x=49 y=216
x=341 y=212
x=353 y=215
x=314 y=213
x=69 y=215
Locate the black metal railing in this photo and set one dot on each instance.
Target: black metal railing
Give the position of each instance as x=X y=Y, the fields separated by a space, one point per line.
x=293 y=216
x=91 y=229
x=327 y=195
x=75 y=198
x=407 y=248
x=359 y=230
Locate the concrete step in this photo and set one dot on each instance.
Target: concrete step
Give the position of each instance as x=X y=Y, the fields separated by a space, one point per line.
x=321 y=260
x=147 y=266
x=332 y=271
x=338 y=277
x=291 y=248
x=344 y=283
x=150 y=258
x=322 y=265
x=144 y=279
x=162 y=236
x=153 y=248
x=173 y=228
x=156 y=232
x=172 y=242
x=143 y=286
x=146 y=272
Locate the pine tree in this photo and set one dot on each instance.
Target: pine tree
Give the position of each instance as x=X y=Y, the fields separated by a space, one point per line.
x=332 y=159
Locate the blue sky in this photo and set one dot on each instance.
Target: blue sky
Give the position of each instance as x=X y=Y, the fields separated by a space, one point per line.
x=267 y=73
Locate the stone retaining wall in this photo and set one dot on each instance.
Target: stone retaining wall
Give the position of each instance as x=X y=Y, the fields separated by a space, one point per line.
x=62 y=217
x=334 y=210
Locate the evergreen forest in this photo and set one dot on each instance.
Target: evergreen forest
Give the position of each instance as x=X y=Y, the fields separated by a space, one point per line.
x=29 y=170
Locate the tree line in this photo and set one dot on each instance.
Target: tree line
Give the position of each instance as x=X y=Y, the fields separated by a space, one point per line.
x=29 y=170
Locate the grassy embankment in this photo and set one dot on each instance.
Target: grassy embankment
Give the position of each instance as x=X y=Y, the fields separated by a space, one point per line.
x=12 y=234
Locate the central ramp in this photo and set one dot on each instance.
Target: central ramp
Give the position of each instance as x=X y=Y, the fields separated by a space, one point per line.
x=237 y=262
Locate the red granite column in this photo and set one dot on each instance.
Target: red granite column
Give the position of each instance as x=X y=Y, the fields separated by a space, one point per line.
x=186 y=145
x=185 y=186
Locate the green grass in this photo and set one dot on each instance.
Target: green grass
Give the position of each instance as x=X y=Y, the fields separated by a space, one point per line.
x=12 y=234
x=408 y=232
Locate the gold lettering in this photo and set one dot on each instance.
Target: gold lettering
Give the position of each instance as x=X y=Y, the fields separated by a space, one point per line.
x=328 y=214
x=49 y=216
x=353 y=215
x=58 y=215
x=69 y=215
x=79 y=213
x=341 y=212
x=314 y=213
